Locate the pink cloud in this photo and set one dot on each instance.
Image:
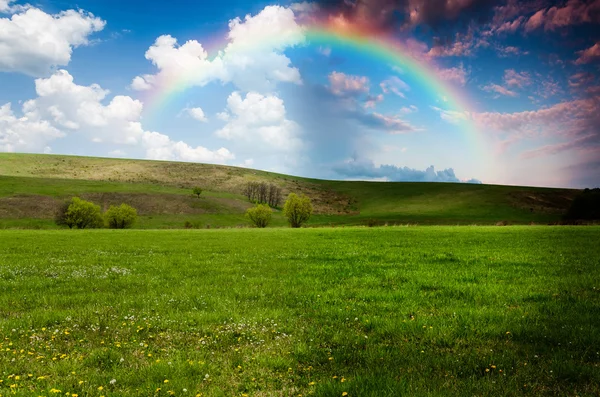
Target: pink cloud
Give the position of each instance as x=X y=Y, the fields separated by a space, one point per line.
x=499 y=89
x=575 y=12
x=516 y=79
x=342 y=84
x=589 y=55
x=457 y=74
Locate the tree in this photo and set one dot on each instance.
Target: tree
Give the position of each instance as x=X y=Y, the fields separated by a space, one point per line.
x=83 y=214
x=121 y=217
x=297 y=209
x=197 y=191
x=263 y=193
x=586 y=206
x=260 y=215
x=60 y=218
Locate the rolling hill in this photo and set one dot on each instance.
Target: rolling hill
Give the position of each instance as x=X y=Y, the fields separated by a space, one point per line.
x=32 y=187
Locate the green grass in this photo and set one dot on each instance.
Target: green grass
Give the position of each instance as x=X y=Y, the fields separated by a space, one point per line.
x=391 y=311
x=32 y=187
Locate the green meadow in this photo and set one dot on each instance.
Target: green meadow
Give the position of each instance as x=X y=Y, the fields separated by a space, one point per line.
x=385 y=311
x=32 y=187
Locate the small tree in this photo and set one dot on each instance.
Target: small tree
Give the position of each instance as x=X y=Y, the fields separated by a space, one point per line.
x=260 y=215
x=197 y=191
x=60 y=218
x=121 y=217
x=83 y=214
x=297 y=209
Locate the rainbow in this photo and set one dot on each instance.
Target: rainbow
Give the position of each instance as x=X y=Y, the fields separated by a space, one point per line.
x=379 y=46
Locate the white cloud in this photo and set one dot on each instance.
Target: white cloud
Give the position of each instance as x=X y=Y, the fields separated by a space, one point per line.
x=197 y=114
x=325 y=51
x=75 y=107
x=394 y=85
x=160 y=147
x=244 y=62
x=117 y=153
x=33 y=42
x=63 y=107
x=141 y=84
x=7 y=8
x=24 y=134
x=260 y=121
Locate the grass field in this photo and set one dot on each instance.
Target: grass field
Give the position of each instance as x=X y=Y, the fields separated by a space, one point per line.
x=33 y=186
x=390 y=311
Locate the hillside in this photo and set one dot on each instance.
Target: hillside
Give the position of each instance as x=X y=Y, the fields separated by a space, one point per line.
x=32 y=186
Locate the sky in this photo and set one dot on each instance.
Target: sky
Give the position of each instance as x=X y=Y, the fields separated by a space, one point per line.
x=478 y=91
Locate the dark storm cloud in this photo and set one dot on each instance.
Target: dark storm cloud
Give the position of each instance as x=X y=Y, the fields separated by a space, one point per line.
x=390 y=14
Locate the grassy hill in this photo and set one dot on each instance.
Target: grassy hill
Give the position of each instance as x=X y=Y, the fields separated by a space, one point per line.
x=32 y=186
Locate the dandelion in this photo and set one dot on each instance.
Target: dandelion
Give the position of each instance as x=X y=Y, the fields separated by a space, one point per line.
x=54 y=391
x=311 y=384
x=81 y=382
x=100 y=388
x=330 y=358
x=343 y=379
x=166 y=381
x=344 y=394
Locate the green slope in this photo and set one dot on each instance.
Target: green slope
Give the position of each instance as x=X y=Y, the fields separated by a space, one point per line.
x=31 y=187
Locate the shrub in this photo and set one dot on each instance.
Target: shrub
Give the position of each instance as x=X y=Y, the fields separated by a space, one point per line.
x=260 y=215
x=60 y=218
x=197 y=191
x=121 y=217
x=297 y=210
x=83 y=214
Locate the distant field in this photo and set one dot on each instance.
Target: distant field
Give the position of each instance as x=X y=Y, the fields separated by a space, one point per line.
x=33 y=186
x=415 y=311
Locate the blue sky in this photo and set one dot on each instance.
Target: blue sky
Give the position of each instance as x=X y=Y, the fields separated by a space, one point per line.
x=83 y=78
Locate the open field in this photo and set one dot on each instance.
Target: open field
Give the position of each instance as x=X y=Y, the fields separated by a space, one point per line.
x=365 y=311
x=33 y=186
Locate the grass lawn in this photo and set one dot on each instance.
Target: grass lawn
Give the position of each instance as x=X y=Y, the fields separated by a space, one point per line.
x=459 y=311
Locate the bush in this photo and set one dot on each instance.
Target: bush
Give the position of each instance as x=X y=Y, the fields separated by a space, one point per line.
x=586 y=206
x=297 y=209
x=83 y=214
x=197 y=191
x=60 y=218
x=121 y=217
x=260 y=215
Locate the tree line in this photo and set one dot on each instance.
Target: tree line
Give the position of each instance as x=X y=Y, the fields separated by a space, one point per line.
x=263 y=193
